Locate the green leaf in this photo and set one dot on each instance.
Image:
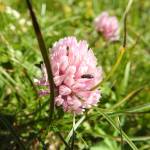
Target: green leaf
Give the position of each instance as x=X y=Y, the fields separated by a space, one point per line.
x=107 y=144
x=126 y=77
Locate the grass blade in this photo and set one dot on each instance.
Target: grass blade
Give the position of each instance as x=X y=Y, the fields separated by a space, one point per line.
x=127 y=139
x=115 y=66
x=120 y=133
x=75 y=127
x=44 y=55
x=139 y=108
x=125 y=80
x=125 y=22
x=131 y=94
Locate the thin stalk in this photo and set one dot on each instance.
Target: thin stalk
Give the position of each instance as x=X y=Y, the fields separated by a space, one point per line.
x=45 y=57
x=120 y=133
x=119 y=58
x=123 y=48
x=75 y=127
x=125 y=32
x=31 y=82
x=125 y=21
x=73 y=135
x=131 y=94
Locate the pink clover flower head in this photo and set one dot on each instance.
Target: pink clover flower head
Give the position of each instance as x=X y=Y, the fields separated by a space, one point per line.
x=108 y=26
x=75 y=72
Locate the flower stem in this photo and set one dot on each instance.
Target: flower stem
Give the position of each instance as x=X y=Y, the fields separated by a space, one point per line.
x=123 y=48
x=115 y=66
x=45 y=57
x=73 y=135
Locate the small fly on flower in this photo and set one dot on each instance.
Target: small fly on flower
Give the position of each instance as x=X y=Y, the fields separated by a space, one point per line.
x=67 y=50
x=88 y=76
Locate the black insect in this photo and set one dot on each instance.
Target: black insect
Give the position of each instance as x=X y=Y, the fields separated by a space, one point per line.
x=67 y=48
x=88 y=76
x=39 y=64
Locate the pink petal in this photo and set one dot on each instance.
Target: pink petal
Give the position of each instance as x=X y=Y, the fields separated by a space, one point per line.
x=69 y=81
x=55 y=69
x=70 y=70
x=64 y=63
x=64 y=90
x=59 y=100
x=58 y=80
x=43 y=92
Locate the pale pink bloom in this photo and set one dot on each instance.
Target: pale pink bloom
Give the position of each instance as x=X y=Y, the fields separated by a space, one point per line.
x=108 y=26
x=75 y=72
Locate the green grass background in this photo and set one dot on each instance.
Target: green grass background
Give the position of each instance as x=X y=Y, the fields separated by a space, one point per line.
x=23 y=115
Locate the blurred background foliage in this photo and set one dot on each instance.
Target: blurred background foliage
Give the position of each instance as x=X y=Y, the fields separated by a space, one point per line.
x=125 y=96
